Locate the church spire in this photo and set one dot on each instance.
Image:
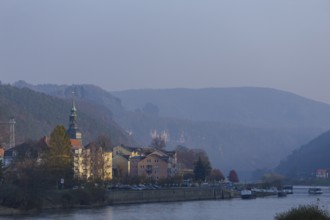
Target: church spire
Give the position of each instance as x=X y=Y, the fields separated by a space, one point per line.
x=73 y=119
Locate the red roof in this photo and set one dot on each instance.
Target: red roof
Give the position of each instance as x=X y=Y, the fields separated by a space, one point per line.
x=76 y=144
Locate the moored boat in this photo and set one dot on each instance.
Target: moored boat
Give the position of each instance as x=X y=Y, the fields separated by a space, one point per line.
x=315 y=191
x=247 y=194
x=281 y=193
x=288 y=189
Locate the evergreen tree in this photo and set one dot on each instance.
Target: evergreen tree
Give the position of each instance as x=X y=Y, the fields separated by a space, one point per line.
x=199 y=170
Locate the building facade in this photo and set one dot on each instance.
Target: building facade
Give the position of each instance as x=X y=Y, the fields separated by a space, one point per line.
x=90 y=162
x=153 y=167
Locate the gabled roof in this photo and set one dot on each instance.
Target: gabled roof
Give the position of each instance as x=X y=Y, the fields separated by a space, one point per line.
x=131 y=149
x=123 y=156
x=137 y=158
x=30 y=148
x=163 y=153
x=164 y=158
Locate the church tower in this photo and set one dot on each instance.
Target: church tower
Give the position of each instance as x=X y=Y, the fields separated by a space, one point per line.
x=73 y=131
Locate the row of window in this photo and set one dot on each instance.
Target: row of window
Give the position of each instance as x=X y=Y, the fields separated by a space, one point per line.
x=149 y=161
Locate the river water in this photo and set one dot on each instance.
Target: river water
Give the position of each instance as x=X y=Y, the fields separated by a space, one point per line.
x=234 y=209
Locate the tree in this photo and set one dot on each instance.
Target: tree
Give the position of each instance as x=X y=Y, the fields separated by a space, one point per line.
x=26 y=176
x=104 y=141
x=202 y=169
x=216 y=175
x=233 y=177
x=59 y=158
x=273 y=179
x=97 y=161
x=188 y=157
x=199 y=170
x=158 y=142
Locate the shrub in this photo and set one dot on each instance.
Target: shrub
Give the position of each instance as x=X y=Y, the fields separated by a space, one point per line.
x=306 y=212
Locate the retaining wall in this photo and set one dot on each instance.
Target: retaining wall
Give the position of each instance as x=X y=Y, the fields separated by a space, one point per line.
x=166 y=195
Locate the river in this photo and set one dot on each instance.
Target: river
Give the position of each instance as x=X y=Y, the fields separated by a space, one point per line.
x=234 y=209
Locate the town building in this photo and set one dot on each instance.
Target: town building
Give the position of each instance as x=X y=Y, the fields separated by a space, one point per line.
x=81 y=163
x=133 y=165
x=89 y=162
x=31 y=150
x=130 y=151
x=159 y=164
x=107 y=160
x=120 y=165
x=147 y=162
x=153 y=167
x=322 y=173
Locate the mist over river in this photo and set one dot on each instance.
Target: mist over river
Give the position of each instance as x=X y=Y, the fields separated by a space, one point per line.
x=255 y=209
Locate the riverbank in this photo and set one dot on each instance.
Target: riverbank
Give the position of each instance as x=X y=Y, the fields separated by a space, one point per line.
x=89 y=198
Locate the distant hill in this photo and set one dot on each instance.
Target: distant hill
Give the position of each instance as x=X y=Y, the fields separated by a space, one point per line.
x=36 y=114
x=259 y=107
x=305 y=160
x=239 y=128
x=85 y=93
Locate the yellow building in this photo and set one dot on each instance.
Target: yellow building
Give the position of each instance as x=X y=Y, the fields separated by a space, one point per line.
x=81 y=163
x=107 y=168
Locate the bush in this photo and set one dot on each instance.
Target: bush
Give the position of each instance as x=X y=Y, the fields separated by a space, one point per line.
x=15 y=197
x=83 y=197
x=306 y=212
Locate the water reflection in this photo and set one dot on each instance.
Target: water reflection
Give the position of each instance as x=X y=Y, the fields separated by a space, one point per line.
x=256 y=209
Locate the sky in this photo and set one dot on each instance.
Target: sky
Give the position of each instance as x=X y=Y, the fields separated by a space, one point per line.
x=130 y=44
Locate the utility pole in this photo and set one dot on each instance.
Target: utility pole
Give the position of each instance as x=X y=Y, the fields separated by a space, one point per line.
x=11 y=124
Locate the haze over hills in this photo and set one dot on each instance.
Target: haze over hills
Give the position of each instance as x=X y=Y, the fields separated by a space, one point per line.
x=246 y=105
x=36 y=114
x=240 y=128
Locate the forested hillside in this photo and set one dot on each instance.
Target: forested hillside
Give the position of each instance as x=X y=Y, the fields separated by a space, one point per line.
x=303 y=162
x=36 y=114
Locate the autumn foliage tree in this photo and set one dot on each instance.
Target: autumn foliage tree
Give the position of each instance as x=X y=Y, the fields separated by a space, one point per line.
x=233 y=177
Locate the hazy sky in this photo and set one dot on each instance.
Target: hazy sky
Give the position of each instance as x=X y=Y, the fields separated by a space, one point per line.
x=119 y=44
